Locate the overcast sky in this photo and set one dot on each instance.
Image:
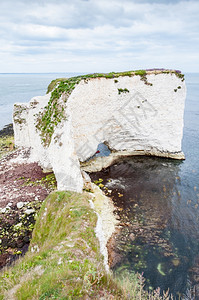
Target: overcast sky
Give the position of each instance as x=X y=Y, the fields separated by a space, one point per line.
x=98 y=35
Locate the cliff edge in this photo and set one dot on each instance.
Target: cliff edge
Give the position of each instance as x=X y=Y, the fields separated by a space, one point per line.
x=132 y=113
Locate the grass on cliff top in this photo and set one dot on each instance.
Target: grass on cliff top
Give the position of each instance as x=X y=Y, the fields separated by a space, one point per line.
x=54 y=83
x=64 y=260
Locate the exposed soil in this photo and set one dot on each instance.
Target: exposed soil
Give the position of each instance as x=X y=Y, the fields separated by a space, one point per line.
x=23 y=188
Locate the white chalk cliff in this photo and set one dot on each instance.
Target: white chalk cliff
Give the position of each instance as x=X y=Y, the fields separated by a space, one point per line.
x=133 y=113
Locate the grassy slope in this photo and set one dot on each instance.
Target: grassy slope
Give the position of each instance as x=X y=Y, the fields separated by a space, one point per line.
x=64 y=260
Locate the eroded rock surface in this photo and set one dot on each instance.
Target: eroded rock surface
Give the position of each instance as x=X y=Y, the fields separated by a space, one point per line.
x=133 y=113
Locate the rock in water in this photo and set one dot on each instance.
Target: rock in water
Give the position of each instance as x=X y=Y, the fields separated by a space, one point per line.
x=132 y=237
x=133 y=113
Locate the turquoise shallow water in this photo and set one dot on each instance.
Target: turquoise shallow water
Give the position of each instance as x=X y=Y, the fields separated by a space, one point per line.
x=158 y=203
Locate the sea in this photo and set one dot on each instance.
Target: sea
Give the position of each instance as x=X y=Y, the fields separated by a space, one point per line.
x=21 y=87
x=158 y=198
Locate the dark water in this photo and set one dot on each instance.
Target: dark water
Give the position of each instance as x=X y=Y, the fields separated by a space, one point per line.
x=158 y=204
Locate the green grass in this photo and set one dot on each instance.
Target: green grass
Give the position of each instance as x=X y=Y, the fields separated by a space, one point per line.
x=53 y=84
x=6 y=145
x=140 y=72
x=48 y=181
x=68 y=264
x=64 y=261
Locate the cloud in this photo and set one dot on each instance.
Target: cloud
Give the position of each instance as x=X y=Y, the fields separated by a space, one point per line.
x=98 y=34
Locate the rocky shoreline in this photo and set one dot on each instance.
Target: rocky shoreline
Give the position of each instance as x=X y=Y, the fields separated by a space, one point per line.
x=23 y=188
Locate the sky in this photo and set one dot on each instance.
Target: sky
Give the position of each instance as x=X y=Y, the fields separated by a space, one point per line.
x=98 y=35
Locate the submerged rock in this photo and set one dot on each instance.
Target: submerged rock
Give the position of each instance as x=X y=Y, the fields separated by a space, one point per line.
x=176 y=262
x=132 y=237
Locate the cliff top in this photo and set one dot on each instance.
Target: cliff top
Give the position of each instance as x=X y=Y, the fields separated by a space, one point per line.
x=141 y=73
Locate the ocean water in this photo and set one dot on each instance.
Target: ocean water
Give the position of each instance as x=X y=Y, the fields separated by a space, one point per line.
x=21 y=88
x=157 y=200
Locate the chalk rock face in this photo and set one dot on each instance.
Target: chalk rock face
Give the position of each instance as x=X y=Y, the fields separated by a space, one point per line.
x=134 y=114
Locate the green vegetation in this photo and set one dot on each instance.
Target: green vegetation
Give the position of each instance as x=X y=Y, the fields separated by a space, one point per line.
x=52 y=114
x=180 y=75
x=18 y=110
x=177 y=73
x=64 y=260
x=178 y=88
x=140 y=72
x=6 y=145
x=16 y=227
x=17 y=224
x=54 y=83
x=49 y=181
x=123 y=91
x=143 y=76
